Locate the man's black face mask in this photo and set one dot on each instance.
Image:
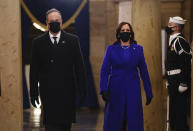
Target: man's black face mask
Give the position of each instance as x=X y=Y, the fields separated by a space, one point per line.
x=54 y=27
x=125 y=36
x=169 y=30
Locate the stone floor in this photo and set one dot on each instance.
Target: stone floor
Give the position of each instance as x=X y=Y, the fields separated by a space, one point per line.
x=87 y=120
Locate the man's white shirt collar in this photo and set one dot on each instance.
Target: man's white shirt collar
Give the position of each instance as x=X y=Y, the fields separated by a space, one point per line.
x=172 y=37
x=57 y=39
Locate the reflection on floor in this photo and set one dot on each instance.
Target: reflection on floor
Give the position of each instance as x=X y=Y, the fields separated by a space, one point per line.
x=87 y=120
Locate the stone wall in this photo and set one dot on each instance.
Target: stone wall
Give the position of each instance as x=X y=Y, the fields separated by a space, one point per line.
x=10 y=67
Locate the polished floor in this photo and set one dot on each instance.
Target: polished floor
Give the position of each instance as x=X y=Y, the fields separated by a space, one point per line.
x=87 y=120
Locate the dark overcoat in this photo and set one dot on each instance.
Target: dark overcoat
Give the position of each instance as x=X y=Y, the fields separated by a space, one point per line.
x=60 y=72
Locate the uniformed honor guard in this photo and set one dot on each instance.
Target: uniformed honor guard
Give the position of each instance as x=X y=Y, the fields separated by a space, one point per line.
x=178 y=67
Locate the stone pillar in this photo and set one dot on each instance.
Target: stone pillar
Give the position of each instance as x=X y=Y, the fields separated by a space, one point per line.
x=186 y=14
x=125 y=11
x=11 y=118
x=97 y=41
x=103 y=23
x=146 y=21
x=111 y=14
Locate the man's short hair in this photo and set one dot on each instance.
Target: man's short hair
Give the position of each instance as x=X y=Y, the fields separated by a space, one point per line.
x=52 y=10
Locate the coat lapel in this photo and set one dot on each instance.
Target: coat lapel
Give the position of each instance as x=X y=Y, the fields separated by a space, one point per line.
x=48 y=40
x=62 y=40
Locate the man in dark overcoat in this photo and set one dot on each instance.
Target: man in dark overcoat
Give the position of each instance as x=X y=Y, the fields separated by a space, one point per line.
x=56 y=74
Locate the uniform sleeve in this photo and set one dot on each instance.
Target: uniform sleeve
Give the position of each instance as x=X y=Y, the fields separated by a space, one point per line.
x=145 y=75
x=105 y=71
x=182 y=47
x=79 y=68
x=184 y=52
x=34 y=92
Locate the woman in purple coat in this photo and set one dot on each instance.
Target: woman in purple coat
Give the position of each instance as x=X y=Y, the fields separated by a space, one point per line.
x=120 y=82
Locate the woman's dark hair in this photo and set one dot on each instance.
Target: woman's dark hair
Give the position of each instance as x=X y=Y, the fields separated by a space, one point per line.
x=118 y=30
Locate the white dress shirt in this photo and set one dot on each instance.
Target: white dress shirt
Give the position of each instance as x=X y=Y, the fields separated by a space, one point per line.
x=57 y=39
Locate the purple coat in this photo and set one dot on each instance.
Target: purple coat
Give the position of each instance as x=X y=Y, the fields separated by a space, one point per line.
x=120 y=76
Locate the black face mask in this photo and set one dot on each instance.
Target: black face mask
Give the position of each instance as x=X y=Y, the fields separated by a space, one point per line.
x=169 y=30
x=54 y=27
x=125 y=36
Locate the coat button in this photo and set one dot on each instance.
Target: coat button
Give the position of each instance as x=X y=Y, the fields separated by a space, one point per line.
x=51 y=60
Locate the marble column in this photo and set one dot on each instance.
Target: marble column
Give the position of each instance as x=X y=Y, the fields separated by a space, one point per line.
x=111 y=15
x=11 y=118
x=103 y=23
x=187 y=14
x=146 y=21
x=97 y=41
x=125 y=11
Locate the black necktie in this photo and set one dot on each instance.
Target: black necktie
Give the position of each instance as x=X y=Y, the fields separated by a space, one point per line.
x=55 y=42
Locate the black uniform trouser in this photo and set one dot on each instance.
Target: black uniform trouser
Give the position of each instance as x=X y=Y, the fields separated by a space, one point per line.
x=177 y=108
x=66 y=127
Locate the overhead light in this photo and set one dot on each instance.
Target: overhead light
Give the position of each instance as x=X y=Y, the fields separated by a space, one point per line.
x=39 y=27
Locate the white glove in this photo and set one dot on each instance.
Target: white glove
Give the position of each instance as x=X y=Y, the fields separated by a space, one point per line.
x=182 y=89
x=167 y=84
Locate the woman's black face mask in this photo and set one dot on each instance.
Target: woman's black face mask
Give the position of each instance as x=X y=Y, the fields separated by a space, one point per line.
x=125 y=36
x=169 y=30
x=54 y=27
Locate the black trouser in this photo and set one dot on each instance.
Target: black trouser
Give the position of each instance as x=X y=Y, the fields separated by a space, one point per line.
x=124 y=125
x=177 y=108
x=66 y=127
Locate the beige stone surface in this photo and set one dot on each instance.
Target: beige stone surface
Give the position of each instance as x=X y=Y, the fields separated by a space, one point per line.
x=147 y=27
x=97 y=41
x=103 y=23
x=168 y=9
x=112 y=17
x=125 y=11
x=177 y=8
x=10 y=67
x=186 y=14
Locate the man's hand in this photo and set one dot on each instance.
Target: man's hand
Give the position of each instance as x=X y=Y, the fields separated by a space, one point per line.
x=106 y=96
x=148 y=100
x=35 y=100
